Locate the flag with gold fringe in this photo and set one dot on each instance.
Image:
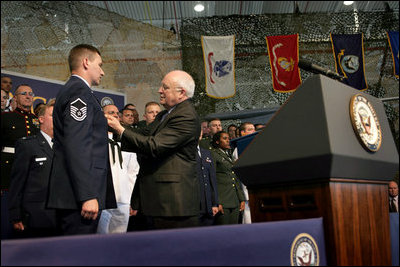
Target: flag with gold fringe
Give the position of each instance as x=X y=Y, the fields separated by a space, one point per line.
x=348 y=52
x=219 y=65
x=283 y=54
x=393 y=38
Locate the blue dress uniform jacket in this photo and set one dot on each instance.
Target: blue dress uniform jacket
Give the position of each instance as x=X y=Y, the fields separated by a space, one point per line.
x=29 y=183
x=167 y=183
x=208 y=183
x=14 y=125
x=80 y=163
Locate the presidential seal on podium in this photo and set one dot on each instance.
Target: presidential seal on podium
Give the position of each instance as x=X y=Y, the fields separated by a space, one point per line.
x=365 y=123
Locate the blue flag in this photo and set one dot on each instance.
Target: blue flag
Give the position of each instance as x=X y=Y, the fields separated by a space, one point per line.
x=348 y=51
x=393 y=38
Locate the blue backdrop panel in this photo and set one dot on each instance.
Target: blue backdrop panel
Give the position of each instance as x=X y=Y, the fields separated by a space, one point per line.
x=242 y=142
x=46 y=89
x=240 y=245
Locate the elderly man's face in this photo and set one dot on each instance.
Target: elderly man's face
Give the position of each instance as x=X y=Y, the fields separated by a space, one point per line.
x=170 y=93
x=393 y=189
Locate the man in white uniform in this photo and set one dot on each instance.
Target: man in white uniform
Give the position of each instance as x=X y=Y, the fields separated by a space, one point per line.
x=124 y=169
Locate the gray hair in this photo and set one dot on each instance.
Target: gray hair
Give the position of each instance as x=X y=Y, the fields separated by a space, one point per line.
x=187 y=83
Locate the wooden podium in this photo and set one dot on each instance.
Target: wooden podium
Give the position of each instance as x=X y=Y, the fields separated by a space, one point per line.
x=311 y=162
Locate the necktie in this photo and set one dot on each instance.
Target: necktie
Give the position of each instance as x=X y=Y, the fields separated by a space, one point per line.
x=392 y=205
x=115 y=143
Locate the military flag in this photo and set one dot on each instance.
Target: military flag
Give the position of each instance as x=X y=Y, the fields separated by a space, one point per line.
x=283 y=54
x=219 y=64
x=348 y=52
x=393 y=38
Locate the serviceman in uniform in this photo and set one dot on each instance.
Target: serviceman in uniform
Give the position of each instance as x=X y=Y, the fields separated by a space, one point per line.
x=80 y=184
x=214 y=126
x=231 y=198
x=30 y=179
x=14 y=125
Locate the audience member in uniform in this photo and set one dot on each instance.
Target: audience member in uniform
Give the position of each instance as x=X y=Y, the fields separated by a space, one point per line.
x=167 y=189
x=4 y=100
x=230 y=194
x=214 y=126
x=29 y=180
x=151 y=110
x=6 y=85
x=14 y=125
x=205 y=129
x=393 y=196
x=128 y=117
x=124 y=169
x=245 y=128
x=80 y=181
x=232 y=131
x=208 y=186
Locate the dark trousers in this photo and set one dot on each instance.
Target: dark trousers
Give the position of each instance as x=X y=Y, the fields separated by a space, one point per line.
x=137 y=223
x=206 y=219
x=230 y=216
x=161 y=222
x=70 y=222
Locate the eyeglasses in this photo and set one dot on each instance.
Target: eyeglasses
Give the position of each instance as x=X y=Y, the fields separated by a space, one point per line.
x=5 y=97
x=26 y=93
x=113 y=112
x=164 y=88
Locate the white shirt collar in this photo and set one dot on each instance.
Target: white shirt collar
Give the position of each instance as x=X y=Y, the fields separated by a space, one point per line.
x=76 y=75
x=48 y=138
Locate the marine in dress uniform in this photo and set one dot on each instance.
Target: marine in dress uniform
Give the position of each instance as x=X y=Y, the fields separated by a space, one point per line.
x=14 y=125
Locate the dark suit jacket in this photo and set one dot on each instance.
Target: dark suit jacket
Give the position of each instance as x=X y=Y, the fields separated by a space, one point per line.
x=80 y=163
x=208 y=183
x=167 y=184
x=230 y=193
x=29 y=183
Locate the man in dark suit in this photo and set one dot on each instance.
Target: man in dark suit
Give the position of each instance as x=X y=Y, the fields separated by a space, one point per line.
x=79 y=176
x=208 y=186
x=167 y=189
x=29 y=180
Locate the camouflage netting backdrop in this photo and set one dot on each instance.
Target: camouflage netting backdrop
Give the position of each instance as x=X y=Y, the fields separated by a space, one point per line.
x=252 y=69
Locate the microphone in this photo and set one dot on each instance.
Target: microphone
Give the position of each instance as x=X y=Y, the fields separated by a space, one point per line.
x=308 y=66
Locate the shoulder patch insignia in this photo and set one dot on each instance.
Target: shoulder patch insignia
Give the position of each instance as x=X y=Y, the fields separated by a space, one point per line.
x=78 y=110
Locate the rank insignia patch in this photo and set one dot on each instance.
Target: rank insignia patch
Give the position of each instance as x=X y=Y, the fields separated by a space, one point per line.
x=78 y=110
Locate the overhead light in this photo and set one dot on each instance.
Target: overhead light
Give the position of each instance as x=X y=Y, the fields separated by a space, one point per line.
x=347 y=3
x=199 y=7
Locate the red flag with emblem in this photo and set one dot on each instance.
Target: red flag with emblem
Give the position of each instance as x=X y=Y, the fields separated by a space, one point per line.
x=283 y=54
